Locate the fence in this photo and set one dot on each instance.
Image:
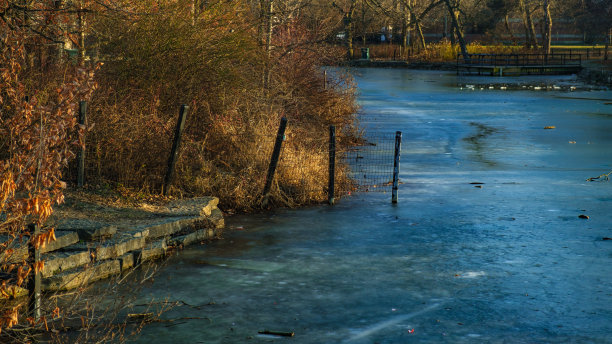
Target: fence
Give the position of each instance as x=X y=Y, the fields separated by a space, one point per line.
x=594 y=53
x=520 y=59
x=298 y=168
x=370 y=164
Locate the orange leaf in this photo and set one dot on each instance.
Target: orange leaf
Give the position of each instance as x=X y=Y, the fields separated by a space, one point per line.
x=56 y=312
x=39 y=266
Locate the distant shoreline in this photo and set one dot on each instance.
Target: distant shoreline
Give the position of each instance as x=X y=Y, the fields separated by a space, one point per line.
x=589 y=75
x=401 y=64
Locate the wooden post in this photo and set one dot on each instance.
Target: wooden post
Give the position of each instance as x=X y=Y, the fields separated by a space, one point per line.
x=325 y=79
x=396 y=166
x=332 y=164
x=81 y=152
x=280 y=136
x=34 y=284
x=178 y=133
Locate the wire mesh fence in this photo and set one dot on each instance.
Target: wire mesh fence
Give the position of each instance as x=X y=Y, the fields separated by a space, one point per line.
x=363 y=165
x=371 y=163
x=241 y=166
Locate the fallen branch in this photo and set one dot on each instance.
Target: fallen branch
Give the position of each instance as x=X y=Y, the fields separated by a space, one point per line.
x=277 y=333
x=605 y=176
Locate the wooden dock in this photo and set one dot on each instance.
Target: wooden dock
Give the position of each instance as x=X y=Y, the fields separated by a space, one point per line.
x=519 y=64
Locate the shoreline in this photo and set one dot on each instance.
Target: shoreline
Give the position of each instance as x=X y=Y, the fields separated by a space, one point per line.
x=96 y=240
x=590 y=74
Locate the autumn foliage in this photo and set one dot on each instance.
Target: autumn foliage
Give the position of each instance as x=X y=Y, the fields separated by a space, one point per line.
x=151 y=57
x=38 y=132
x=237 y=90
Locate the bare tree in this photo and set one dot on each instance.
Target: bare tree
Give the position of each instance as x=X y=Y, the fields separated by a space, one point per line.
x=455 y=22
x=348 y=12
x=531 y=40
x=547 y=26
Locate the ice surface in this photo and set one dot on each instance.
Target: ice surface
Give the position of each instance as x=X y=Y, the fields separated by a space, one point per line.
x=509 y=261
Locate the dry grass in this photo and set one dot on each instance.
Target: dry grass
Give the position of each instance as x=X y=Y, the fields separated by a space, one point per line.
x=232 y=121
x=438 y=52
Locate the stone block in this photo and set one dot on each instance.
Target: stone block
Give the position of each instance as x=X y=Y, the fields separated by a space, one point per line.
x=154 y=250
x=18 y=254
x=199 y=206
x=171 y=227
x=216 y=219
x=79 y=277
x=98 y=233
x=191 y=238
x=127 y=261
x=62 y=239
x=62 y=261
x=113 y=249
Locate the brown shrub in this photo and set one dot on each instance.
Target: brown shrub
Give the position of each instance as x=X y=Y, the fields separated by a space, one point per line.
x=158 y=61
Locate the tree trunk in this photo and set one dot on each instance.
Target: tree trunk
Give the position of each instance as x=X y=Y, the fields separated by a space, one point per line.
x=363 y=23
x=525 y=23
x=455 y=22
x=507 y=24
x=419 y=30
x=268 y=41
x=414 y=20
x=261 y=28
x=81 y=28
x=547 y=27
x=532 y=32
x=349 y=28
x=609 y=38
x=269 y=26
x=405 y=25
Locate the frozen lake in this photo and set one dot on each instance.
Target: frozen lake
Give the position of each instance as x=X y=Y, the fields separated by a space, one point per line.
x=485 y=245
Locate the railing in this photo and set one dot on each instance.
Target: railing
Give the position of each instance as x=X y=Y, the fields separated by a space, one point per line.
x=594 y=53
x=520 y=60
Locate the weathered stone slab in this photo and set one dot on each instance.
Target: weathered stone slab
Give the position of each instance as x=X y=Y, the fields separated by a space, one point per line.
x=62 y=261
x=171 y=227
x=199 y=206
x=75 y=224
x=92 y=234
x=139 y=233
x=127 y=261
x=114 y=249
x=62 y=239
x=16 y=255
x=216 y=219
x=75 y=278
x=188 y=239
x=154 y=250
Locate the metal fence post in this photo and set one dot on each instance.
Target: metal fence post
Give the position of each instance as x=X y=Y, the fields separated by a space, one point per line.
x=280 y=136
x=81 y=152
x=34 y=284
x=332 y=164
x=396 y=166
x=180 y=126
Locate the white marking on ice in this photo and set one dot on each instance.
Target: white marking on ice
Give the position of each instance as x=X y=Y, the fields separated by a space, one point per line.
x=393 y=321
x=472 y=274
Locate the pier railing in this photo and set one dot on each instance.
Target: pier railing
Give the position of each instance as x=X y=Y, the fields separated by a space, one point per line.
x=520 y=60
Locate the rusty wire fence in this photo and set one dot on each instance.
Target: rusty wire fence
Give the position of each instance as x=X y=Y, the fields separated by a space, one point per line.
x=334 y=167
x=295 y=169
x=371 y=162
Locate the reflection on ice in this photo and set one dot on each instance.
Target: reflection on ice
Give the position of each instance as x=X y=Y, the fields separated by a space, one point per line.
x=242 y=264
x=364 y=333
